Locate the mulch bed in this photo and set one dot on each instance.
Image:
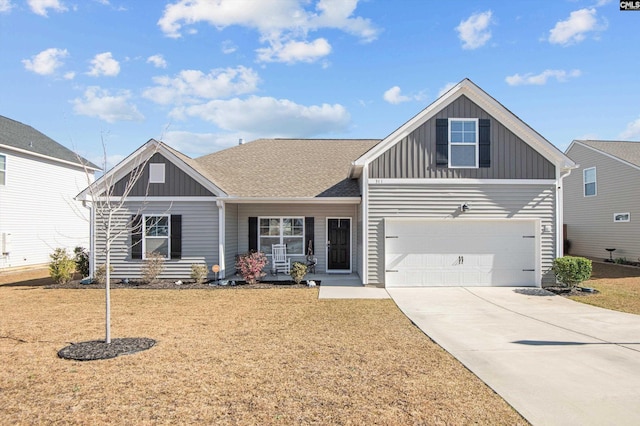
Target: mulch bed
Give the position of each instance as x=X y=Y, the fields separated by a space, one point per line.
x=184 y=285
x=98 y=349
x=572 y=291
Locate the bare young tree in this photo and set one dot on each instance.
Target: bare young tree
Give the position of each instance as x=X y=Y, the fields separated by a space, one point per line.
x=107 y=199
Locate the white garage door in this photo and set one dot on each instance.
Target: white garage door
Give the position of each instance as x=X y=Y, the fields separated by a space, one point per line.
x=460 y=252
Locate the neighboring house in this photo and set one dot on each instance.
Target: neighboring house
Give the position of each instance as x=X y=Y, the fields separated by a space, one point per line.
x=464 y=193
x=38 y=181
x=602 y=199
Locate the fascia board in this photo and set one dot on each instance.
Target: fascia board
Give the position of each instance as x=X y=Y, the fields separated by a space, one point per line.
x=613 y=157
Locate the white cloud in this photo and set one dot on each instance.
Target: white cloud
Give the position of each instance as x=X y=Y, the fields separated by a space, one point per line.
x=632 y=131
x=100 y=103
x=5 y=6
x=104 y=64
x=574 y=29
x=270 y=117
x=283 y=25
x=474 y=32
x=228 y=47
x=540 y=79
x=40 y=7
x=194 y=85
x=196 y=144
x=393 y=96
x=46 y=62
x=158 y=61
x=295 y=51
x=69 y=75
x=446 y=88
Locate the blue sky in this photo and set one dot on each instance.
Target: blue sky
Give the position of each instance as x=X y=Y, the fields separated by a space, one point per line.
x=202 y=74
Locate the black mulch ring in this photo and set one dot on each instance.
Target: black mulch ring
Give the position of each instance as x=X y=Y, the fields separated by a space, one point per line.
x=98 y=349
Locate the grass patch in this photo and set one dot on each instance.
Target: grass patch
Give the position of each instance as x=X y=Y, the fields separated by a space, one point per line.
x=276 y=356
x=618 y=286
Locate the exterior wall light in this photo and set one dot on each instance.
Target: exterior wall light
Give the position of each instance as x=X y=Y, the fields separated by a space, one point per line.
x=464 y=207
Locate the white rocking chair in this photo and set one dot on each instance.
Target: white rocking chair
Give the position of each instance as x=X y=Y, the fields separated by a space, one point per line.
x=279 y=258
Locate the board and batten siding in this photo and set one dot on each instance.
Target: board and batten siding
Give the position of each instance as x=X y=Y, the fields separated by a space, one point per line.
x=199 y=237
x=442 y=201
x=589 y=220
x=177 y=183
x=38 y=210
x=415 y=155
x=320 y=213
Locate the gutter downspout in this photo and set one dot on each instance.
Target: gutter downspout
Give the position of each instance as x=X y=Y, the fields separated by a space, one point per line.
x=221 y=237
x=560 y=210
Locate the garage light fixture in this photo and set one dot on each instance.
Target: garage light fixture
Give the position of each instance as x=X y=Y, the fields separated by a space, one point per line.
x=464 y=207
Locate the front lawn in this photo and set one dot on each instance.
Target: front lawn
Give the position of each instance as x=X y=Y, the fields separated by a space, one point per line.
x=271 y=356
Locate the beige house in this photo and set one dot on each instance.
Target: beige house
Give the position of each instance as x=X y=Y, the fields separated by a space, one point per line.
x=602 y=199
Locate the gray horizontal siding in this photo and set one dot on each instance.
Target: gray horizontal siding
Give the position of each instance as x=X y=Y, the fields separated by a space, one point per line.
x=442 y=201
x=199 y=238
x=231 y=237
x=177 y=183
x=414 y=155
x=589 y=220
x=319 y=212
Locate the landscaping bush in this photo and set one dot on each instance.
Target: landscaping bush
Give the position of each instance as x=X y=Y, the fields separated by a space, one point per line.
x=152 y=267
x=571 y=270
x=82 y=260
x=198 y=272
x=250 y=266
x=298 y=271
x=61 y=267
x=101 y=273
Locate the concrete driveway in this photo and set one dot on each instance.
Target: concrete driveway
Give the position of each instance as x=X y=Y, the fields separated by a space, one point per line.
x=557 y=362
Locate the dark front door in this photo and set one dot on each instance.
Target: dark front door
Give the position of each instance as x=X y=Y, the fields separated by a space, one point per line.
x=339 y=250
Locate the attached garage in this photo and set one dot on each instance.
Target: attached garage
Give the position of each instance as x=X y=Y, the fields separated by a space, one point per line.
x=461 y=252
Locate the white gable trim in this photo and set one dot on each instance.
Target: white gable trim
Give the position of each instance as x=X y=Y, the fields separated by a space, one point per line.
x=613 y=157
x=467 y=88
x=140 y=157
x=47 y=157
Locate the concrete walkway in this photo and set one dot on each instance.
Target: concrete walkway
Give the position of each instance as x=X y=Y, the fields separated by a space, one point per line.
x=556 y=361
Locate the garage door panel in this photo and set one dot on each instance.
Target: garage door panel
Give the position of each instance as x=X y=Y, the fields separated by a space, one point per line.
x=460 y=253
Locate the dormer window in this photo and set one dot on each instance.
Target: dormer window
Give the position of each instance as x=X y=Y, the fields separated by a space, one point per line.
x=156 y=172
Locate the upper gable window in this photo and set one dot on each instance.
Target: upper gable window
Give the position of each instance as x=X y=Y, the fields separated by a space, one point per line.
x=589 y=179
x=156 y=172
x=463 y=143
x=3 y=169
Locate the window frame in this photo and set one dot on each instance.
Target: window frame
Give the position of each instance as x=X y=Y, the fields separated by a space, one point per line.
x=281 y=234
x=585 y=183
x=157 y=174
x=3 y=171
x=156 y=237
x=475 y=144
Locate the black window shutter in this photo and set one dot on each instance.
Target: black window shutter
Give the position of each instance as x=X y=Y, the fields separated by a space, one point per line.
x=253 y=234
x=309 y=235
x=136 y=237
x=484 y=142
x=442 y=142
x=176 y=236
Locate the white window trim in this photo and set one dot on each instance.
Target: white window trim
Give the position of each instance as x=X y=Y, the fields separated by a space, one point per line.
x=476 y=145
x=5 y=169
x=157 y=172
x=616 y=220
x=144 y=234
x=281 y=218
x=584 y=182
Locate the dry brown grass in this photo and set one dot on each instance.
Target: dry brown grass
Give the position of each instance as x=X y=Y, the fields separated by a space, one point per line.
x=276 y=356
x=618 y=286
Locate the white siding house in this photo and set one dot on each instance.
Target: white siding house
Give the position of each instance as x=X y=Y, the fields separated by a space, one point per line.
x=39 y=179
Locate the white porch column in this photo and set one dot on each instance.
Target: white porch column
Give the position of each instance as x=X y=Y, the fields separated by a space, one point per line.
x=221 y=237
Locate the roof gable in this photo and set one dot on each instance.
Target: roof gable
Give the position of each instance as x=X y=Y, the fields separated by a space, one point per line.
x=626 y=152
x=467 y=88
x=23 y=138
x=114 y=177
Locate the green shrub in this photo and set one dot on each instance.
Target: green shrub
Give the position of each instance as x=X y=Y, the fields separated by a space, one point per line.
x=82 y=260
x=298 y=271
x=101 y=273
x=571 y=270
x=198 y=272
x=152 y=267
x=621 y=260
x=61 y=267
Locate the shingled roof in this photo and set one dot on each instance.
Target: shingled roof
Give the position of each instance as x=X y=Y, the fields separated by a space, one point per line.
x=17 y=135
x=287 y=168
x=623 y=150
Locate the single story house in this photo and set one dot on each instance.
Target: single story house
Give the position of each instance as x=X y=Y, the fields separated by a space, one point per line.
x=39 y=179
x=464 y=193
x=602 y=199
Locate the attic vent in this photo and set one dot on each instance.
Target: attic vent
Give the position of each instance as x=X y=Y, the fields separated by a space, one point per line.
x=30 y=144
